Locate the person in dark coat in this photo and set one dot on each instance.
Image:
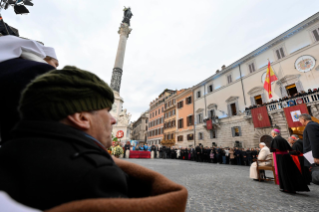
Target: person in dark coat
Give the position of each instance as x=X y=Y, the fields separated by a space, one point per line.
x=249 y=157
x=168 y=152
x=15 y=74
x=17 y=69
x=153 y=149
x=290 y=178
x=59 y=146
x=297 y=149
x=310 y=137
x=253 y=154
x=193 y=153
x=173 y=153
x=311 y=145
x=245 y=157
x=198 y=150
x=238 y=156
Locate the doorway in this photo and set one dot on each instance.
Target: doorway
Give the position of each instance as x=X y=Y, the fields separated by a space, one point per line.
x=233 y=109
x=266 y=139
x=258 y=100
x=291 y=89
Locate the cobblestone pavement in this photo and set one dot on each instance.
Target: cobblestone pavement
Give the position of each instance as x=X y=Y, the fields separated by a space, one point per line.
x=216 y=187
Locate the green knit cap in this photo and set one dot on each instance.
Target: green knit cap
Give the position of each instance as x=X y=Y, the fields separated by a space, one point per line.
x=59 y=93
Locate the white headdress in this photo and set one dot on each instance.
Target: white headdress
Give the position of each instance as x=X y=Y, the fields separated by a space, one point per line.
x=14 y=47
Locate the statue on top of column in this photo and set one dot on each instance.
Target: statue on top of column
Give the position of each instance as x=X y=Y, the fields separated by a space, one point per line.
x=127 y=15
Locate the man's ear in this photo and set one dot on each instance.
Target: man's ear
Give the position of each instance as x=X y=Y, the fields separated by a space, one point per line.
x=80 y=120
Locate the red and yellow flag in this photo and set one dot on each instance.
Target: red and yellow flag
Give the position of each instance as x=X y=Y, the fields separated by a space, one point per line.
x=270 y=77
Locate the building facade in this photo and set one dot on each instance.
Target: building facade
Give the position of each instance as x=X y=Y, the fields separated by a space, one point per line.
x=223 y=97
x=169 y=121
x=140 y=128
x=185 y=118
x=156 y=118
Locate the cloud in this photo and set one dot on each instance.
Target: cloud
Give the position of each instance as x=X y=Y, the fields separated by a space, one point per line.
x=174 y=44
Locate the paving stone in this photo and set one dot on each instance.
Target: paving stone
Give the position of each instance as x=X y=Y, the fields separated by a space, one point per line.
x=216 y=187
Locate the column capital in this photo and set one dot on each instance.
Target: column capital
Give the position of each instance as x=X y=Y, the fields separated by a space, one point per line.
x=124 y=29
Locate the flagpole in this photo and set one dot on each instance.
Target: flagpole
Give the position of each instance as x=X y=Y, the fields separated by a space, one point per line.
x=278 y=77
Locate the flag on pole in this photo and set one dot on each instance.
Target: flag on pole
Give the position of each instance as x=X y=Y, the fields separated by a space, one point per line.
x=270 y=77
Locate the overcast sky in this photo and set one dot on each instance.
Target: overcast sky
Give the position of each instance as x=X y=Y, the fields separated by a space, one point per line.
x=174 y=44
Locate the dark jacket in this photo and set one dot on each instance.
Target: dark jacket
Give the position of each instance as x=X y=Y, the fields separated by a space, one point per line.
x=238 y=153
x=15 y=74
x=311 y=139
x=47 y=164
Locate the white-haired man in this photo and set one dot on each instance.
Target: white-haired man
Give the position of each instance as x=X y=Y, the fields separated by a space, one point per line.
x=263 y=155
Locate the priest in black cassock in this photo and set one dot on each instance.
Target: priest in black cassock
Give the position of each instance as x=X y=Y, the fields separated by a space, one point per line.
x=297 y=151
x=288 y=175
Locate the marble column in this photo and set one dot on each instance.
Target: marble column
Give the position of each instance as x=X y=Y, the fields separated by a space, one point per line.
x=124 y=32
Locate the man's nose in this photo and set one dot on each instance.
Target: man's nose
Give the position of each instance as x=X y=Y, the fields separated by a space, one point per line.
x=113 y=121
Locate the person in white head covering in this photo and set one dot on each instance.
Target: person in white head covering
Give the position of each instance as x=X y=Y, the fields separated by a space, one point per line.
x=264 y=154
x=21 y=60
x=14 y=47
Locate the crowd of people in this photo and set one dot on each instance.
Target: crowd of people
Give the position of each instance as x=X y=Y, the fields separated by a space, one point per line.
x=290 y=100
x=233 y=156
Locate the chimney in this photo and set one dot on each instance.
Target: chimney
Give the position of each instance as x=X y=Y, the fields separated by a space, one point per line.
x=223 y=67
x=217 y=71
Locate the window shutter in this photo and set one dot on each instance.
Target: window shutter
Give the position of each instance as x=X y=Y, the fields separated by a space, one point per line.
x=282 y=52
x=283 y=91
x=229 y=110
x=250 y=69
x=239 y=131
x=263 y=98
x=315 y=33
x=237 y=108
x=299 y=86
x=278 y=54
x=252 y=100
x=253 y=67
x=233 y=131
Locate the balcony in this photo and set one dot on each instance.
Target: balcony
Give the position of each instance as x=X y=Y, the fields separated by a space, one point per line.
x=309 y=99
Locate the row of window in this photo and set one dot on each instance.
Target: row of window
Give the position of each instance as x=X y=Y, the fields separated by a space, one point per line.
x=170 y=124
x=170 y=103
x=170 y=113
x=156 y=112
x=190 y=137
x=156 y=122
x=280 y=53
x=235 y=131
x=169 y=136
x=189 y=120
x=155 y=132
x=188 y=101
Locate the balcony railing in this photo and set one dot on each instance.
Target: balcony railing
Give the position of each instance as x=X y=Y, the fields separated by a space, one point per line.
x=307 y=99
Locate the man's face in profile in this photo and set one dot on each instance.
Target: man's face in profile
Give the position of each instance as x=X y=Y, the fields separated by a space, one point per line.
x=102 y=122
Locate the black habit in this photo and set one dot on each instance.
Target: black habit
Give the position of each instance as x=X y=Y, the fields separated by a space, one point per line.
x=297 y=148
x=290 y=178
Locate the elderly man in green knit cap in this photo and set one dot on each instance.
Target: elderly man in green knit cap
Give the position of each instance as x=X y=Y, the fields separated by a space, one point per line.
x=58 y=151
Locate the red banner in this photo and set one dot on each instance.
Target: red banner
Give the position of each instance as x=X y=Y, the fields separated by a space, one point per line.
x=292 y=114
x=209 y=124
x=260 y=117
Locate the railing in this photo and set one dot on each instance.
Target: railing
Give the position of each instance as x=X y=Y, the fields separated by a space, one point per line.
x=308 y=98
